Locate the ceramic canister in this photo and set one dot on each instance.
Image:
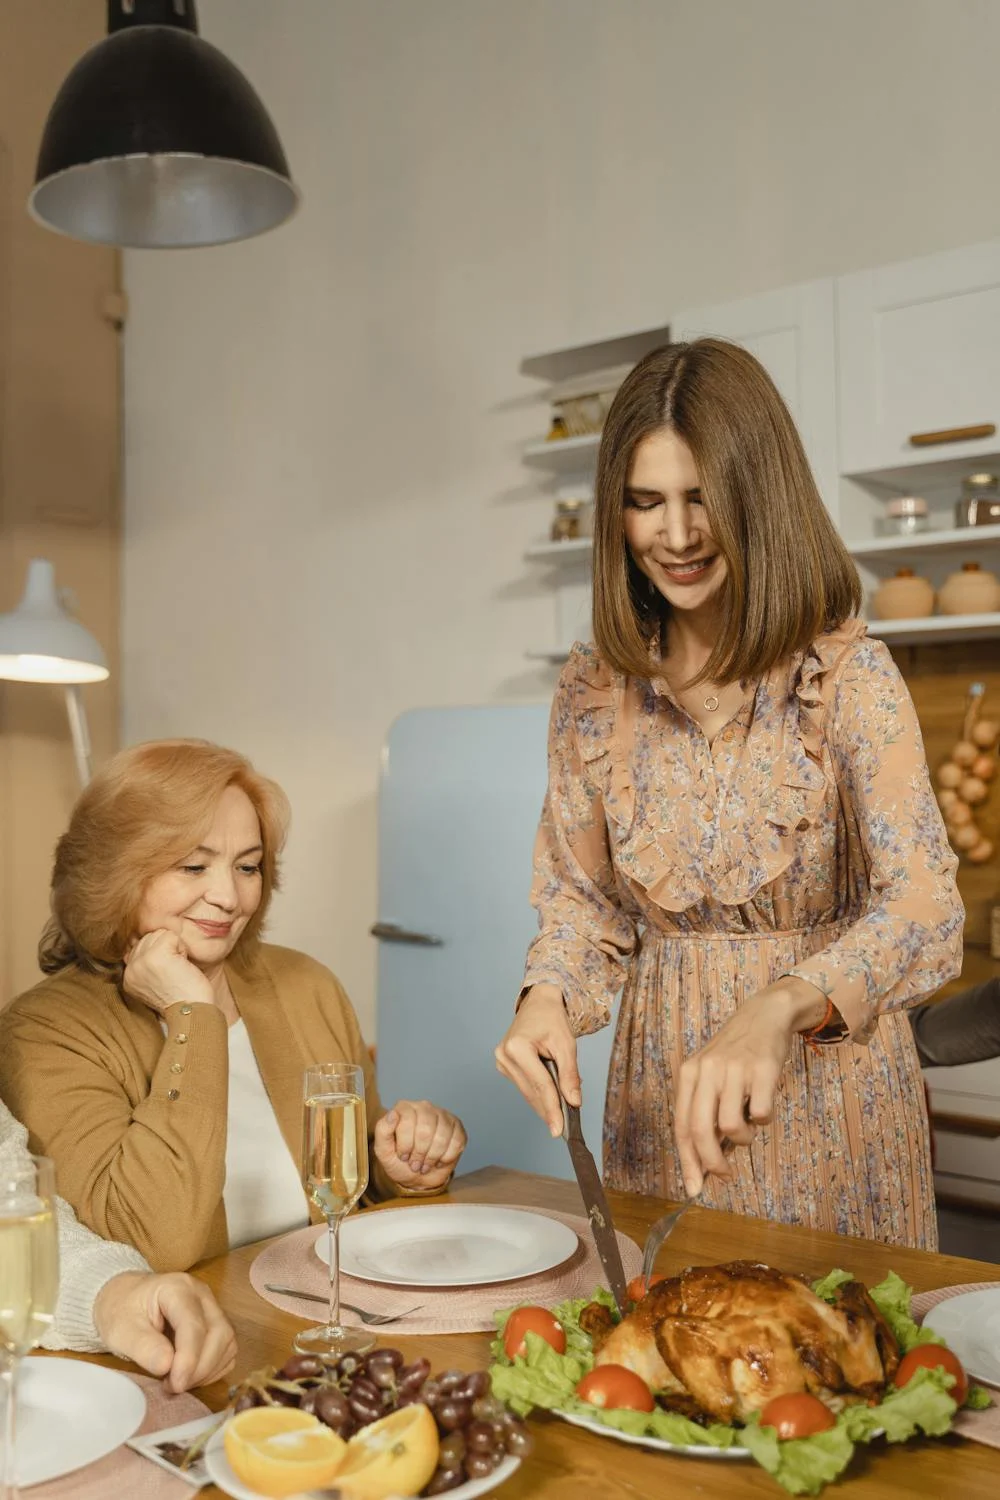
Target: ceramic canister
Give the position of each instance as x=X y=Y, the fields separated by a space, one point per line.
x=905 y=597
x=973 y=591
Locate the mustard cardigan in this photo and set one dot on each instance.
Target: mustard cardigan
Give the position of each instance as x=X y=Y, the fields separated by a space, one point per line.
x=136 y=1122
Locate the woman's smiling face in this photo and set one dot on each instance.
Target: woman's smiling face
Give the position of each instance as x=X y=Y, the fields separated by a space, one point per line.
x=209 y=896
x=666 y=527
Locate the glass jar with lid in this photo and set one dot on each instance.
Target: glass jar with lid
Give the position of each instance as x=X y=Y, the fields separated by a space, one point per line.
x=980 y=502
x=570 y=518
x=904 y=514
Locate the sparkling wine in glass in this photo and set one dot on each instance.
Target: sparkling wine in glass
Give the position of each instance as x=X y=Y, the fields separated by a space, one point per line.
x=29 y=1283
x=335 y=1174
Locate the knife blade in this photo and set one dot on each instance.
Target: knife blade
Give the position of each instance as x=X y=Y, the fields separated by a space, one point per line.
x=594 y=1200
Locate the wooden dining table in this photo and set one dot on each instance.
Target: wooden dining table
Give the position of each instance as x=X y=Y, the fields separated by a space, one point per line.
x=568 y=1462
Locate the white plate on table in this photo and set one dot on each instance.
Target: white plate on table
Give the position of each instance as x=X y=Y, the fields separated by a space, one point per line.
x=221 y=1474
x=453 y=1244
x=970 y=1325
x=71 y=1413
x=693 y=1450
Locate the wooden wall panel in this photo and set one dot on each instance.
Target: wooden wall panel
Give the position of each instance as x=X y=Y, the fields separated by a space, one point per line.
x=59 y=444
x=938 y=678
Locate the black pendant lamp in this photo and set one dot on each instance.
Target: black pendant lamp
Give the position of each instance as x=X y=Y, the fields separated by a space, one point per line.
x=156 y=140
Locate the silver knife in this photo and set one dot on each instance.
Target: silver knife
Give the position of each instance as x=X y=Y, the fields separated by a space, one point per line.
x=592 y=1191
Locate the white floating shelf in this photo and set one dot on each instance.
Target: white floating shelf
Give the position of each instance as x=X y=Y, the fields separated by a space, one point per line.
x=554 y=658
x=577 y=549
x=564 y=455
x=937 y=628
x=626 y=348
x=918 y=471
x=957 y=539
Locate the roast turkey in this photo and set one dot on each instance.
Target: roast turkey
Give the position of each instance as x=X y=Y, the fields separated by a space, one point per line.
x=719 y=1342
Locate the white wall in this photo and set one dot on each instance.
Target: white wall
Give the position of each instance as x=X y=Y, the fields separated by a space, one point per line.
x=325 y=512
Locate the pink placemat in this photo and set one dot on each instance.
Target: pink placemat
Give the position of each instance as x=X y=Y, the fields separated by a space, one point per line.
x=124 y=1473
x=980 y=1426
x=292 y=1261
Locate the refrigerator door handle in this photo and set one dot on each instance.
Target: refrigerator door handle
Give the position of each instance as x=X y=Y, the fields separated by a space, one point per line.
x=389 y=932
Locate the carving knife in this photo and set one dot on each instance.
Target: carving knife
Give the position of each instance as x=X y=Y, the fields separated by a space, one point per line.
x=594 y=1201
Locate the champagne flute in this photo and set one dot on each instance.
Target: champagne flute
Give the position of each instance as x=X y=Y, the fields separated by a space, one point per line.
x=29 y=1282
x=335 y=1174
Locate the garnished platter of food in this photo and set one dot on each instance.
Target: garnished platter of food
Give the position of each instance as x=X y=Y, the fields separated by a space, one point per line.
x=738 y=1361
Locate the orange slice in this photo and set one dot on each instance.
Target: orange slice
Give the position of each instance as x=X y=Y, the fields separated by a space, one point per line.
x=395 y=1456
x=280 y=1451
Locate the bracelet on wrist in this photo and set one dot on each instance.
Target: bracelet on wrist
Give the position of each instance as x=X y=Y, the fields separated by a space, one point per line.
x=809 y=1036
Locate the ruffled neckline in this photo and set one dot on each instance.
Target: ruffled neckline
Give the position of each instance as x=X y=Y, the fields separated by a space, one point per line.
x=680 y=850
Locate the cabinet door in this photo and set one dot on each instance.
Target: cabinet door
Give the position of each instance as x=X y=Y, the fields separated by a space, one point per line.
x=919 y=354
x=792 y=332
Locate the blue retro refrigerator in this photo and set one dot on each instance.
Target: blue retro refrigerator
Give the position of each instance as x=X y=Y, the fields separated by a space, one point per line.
x=460 y=794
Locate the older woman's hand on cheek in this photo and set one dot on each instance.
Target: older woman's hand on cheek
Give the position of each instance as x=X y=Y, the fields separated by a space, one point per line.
x=418 y=1144
x=159 y=973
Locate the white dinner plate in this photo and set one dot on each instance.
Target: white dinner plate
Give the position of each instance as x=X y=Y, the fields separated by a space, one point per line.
x=71 y=1413
x=970 y=1325
x=221 y=1474
x=695 y=1450
x=454 y=1244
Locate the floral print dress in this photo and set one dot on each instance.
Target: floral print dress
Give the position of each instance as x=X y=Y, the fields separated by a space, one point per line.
x=804 y=839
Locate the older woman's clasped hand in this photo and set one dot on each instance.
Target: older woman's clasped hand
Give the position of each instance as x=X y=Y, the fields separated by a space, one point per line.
x=159 y=973
x=417 y=1144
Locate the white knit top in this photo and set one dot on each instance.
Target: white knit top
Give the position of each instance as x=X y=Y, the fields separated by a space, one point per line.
x=86 y=1261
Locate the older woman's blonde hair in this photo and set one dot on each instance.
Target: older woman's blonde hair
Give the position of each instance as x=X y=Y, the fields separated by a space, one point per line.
x=789 y=576
x=147 y=808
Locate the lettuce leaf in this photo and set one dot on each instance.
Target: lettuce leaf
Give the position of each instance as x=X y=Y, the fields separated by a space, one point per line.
x=540 y=1377
x=827 y=1287
x=892 y=1298
x=800 y=1465
x=923 y=1405
x=978 y=1399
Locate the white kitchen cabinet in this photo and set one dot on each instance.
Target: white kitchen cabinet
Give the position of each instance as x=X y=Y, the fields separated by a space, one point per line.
x=965 y=1113
x=919 y=356
x=792 y=331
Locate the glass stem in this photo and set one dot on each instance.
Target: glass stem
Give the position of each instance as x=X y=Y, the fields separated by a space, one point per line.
x=333 y=1225
x=8 y=1474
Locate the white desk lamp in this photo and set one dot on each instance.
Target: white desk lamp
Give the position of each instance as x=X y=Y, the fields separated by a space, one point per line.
x=41 y=642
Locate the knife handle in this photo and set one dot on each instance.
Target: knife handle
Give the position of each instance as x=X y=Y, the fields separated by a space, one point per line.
x=554 y=1073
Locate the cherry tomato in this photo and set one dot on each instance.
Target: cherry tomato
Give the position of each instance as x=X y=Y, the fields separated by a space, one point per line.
x=797 y=1416
x=532 y=1320
x=932 y=1357
x=636 y=1290
x=617 y=1387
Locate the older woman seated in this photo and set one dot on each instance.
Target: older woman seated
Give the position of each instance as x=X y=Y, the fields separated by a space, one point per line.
x=160 y=1063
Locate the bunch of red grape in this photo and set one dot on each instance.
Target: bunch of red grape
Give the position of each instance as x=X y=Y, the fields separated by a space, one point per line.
x=476 y=1429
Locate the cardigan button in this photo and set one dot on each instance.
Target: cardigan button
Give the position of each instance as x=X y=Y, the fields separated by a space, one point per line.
x=185 y=1010
x=177 y=1067
x=181 y=1038
x=173 y=1093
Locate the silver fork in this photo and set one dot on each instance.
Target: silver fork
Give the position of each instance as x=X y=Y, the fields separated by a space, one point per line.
x=374 y=1320
x=666 y=1225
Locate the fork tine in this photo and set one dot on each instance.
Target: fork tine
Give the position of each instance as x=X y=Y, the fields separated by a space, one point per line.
x=657 y=1235
x=378 y=1320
